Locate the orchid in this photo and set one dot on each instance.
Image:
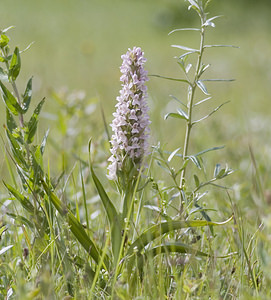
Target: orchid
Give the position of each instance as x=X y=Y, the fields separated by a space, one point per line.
x=131 y=122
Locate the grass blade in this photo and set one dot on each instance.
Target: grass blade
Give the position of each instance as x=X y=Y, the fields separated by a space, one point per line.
x=76 y=227
x=5 y=249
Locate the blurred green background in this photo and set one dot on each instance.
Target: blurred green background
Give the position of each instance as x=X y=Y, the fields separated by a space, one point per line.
x=78 y=44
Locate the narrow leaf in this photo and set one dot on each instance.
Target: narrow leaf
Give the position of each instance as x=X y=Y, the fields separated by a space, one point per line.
x=16 y=150
x=182 y=65
x=202 y=101
x=194 y=3
x=6 y=29
x=214 y=18
x=182 y=113
x=213 y=46
x=44 y=140
x=15 y=65
x=195 y=161
x=218 y=80
x=27 y=95
x=184 y=29
x=170 y=78
x=187 y=68
x=33 y=122
x=175 y=247
x=11 y=124
x=203 y=88
x=185 y=48
x=203 y=69
x=158 y=230
x=10 y=100
x=22 y=220
x=28 y=47
x=26 y=204
x=5 y=249
x=187 y=53
x=2 y=230
x=208 y=150
x=199 y=209
x=212 y=112
x=174 y=115
x=173 y=154
x=209 y=23
x=113 y=216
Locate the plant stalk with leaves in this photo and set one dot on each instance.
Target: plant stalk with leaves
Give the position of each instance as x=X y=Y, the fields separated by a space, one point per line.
x=37 y=194
x=194 y=82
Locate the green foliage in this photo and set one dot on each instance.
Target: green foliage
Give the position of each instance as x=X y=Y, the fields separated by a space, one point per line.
x=113 y=217
x=65 y=236
x=32 y=124
x=10 y=100
x=15 y=65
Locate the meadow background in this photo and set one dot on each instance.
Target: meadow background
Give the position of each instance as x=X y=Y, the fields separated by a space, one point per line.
x=77 y=46
x=76 y=55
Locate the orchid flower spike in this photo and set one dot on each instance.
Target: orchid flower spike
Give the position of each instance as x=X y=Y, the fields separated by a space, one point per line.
x=131 y=121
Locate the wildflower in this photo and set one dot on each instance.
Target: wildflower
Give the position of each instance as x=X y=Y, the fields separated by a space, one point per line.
x=131 y=121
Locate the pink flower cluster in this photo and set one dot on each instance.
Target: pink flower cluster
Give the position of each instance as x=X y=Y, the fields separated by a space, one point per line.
x=131 y=121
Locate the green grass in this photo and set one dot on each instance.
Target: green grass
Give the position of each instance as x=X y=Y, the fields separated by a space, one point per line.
x=78 y=45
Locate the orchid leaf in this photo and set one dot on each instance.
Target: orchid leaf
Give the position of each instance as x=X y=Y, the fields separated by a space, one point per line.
x=112 y=214
x=156 y=231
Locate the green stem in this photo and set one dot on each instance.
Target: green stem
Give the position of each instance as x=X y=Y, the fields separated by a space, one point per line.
x=191 y=95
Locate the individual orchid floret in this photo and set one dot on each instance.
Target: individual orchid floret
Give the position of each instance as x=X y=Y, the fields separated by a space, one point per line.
x=131 y=121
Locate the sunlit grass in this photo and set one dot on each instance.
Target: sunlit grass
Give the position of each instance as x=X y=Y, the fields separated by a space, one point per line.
x=79 y=46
